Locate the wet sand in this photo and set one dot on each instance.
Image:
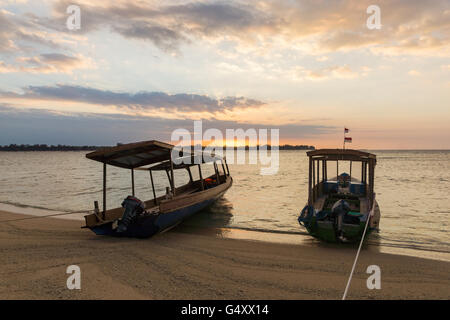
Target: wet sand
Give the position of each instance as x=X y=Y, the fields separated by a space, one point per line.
x=177 y=265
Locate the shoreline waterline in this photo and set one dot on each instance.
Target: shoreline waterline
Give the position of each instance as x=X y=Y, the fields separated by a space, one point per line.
x=289 y=238
x=41 y=212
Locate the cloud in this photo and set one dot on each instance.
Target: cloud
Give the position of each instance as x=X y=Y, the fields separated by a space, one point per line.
x=162 y=37
x=45 y=126
x=414 y=73
x=47 y=63
x=331 y=72
x=143 y=100
x=20 y=33
x=409 y=26
x=25 y=46
x=6 y=44
x=322 y=58
x=166 y=26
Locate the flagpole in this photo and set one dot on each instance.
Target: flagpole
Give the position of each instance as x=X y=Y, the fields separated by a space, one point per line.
x=343 y=144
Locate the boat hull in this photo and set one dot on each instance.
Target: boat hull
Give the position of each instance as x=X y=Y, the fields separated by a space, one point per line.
x=326 y=230
x=142 y=227
x=146 y=226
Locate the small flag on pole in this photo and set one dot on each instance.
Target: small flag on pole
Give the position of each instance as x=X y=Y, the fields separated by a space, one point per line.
x=346 y=139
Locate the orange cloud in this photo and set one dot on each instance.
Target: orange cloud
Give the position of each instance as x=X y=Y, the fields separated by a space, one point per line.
x=332 y=72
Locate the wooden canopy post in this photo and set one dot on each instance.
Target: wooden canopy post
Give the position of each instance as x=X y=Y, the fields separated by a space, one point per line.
x=372 y=181
x=362 y=172
x=201 y=176
x=318 y=171
x=190 y=174
x=228 y=169
x=310 y=202
x=370 y=185
x=323 y=170
x=350 y=171
x=223 y=168
x=104 y=189
x=172 y=175
x=313 y=181
x=169 y=178
x=216 y=168
x=337 y=170
x=318 y=180
x=365 y=172
x=153 y=187
x=373 y=175
x=132 y=182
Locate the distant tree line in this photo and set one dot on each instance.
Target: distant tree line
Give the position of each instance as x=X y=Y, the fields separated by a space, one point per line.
x=296 y=147
x=60 y=147
x=44 y=147
x=269 y=147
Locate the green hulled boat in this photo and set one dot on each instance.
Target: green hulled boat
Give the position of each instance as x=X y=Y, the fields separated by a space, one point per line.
x=338 y=208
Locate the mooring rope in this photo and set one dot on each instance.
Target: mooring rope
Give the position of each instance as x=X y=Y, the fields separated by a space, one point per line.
x=359 y=249
x=46 y=216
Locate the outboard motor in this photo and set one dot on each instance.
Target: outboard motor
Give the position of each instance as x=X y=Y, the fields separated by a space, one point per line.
x=133 y=207
x=338 y=211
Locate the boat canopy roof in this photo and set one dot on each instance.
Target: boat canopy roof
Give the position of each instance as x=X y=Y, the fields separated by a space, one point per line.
x=341 y=154
x=139 y=154
x=166 y=165
x=133 y=155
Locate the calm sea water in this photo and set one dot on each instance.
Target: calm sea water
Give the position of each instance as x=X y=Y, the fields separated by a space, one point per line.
x=412 y=190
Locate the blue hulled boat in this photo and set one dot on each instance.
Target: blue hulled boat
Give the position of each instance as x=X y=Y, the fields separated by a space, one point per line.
x=143 y=219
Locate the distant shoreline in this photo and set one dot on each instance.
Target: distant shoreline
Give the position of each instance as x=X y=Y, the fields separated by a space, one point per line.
x=44 y=147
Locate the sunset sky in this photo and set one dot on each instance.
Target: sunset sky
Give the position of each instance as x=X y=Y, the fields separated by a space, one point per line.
x=137 y=70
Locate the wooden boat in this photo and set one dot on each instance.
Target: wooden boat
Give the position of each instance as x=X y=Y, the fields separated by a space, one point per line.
x=338 y=209
x=163 y=212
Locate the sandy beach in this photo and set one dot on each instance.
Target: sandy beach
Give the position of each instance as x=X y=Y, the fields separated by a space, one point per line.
x=176 y=265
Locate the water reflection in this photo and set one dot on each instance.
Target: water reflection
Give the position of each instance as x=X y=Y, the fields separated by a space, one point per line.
x=211 y=220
